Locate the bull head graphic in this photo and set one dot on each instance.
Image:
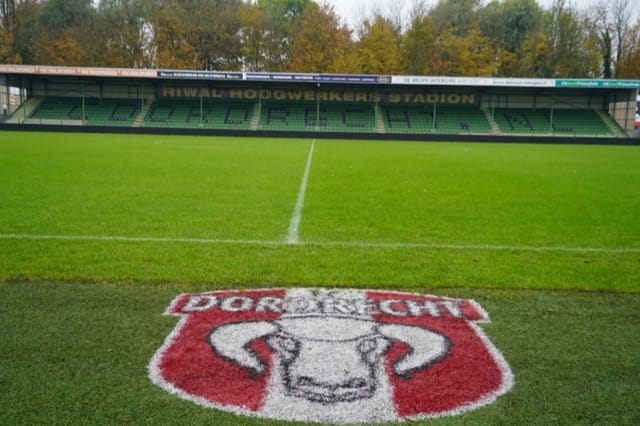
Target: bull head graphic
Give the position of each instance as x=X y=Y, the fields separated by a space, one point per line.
x=328 y=359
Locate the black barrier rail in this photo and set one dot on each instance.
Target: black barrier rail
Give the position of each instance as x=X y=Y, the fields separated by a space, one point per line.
x=560 y=140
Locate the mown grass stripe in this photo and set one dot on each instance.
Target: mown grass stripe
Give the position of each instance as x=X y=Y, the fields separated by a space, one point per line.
x=357 y=244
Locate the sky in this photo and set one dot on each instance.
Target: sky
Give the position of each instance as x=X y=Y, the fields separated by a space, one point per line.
x=354 y=11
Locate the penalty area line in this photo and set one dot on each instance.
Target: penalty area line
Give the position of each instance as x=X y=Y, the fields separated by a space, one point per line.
x=353 y=244
x=294 y=225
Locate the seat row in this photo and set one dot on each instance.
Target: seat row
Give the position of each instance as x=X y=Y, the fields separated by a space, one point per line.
x=559 y=121
x=358 y=118
x=329 y=117
x=189 y=113
x=91 y=111
x=445 y=119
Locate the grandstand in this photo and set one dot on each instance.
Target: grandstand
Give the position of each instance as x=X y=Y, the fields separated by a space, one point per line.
x=286 y=117
x=373 y=106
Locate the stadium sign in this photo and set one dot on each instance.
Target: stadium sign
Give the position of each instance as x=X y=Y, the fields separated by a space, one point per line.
x=332 y=356
x=343 y=96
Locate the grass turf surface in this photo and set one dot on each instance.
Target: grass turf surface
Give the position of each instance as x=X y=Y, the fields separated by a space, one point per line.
x=76 y=353
x=212 y=213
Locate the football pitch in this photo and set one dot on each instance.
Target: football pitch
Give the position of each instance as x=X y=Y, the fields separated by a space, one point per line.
x=99 y=232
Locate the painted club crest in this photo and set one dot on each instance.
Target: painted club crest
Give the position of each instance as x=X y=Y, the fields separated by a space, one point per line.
x=332 y=356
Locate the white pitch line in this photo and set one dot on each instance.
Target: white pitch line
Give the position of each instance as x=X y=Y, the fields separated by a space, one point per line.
x=355 y=244
x=119 y=238
x=481 y=247
x=292 y=234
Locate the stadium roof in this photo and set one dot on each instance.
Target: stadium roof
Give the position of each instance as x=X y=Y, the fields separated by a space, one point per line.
x=301 y=78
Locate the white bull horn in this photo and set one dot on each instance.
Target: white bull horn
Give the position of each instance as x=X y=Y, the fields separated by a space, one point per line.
x=231 y=341
x=426 y=347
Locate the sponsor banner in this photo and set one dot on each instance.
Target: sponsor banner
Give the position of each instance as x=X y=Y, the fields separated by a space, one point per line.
x=473 y=81
x=330 y=356
x=200 y=75
x=319 y=78
x=343 y=96
x=76 y=71
x=617 y=84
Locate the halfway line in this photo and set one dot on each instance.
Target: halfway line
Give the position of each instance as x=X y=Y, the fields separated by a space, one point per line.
x=292 y=235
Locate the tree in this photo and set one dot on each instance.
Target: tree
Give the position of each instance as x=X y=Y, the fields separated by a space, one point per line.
x=417 y=54
x=267 y=32
x=212 y=27
x=22 y=32
x=468 y=55
x=378 y=47
x=344 y=61
x=252 y=38
x=7 y=55
x=621 y=20
x=460 y=46
x=529 y=60
x=123 y=29
x=7 y=25
x=509 y=23
x=7 y=13
x=629 y=64
x=62 y=37
x=457 y=16
x=514 y=29
x=170 y=46
x=64 y=49
x=570 y=52
x=319 y=41
x=611 y=28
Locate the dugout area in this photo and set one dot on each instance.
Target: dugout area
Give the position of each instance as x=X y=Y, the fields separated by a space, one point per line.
x=317 y=105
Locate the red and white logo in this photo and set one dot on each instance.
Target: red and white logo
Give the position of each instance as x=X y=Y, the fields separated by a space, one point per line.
x=332 y=356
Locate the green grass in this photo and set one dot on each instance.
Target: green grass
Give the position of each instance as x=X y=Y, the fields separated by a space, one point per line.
x=106 y=185
x=375 y=214
x=468 y=194
x=76 y=354
x=99 y=232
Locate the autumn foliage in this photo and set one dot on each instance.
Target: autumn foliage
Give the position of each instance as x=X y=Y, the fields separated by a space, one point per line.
x=515 y=38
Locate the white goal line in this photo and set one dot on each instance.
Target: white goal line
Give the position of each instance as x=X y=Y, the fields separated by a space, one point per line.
x=323 y=243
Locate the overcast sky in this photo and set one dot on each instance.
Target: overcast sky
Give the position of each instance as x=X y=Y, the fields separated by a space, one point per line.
x=353 y=11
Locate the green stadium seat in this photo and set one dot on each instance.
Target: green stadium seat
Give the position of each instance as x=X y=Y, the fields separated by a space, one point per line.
x=338 y=118
x=99 y=112
x=449 y=119
x=185 y=113
x=566 y=122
